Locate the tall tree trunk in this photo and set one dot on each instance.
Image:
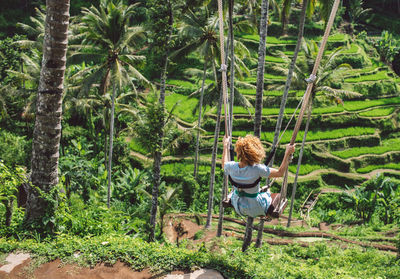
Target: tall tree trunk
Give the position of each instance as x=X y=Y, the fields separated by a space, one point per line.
x=157 y=153
x=47 y=131
x=259 y=99
x=196 y=154
x=111 y=147
x=214 y=156
x=299 y=163
x=284 y=100
x=231 y=100
x=261 y=67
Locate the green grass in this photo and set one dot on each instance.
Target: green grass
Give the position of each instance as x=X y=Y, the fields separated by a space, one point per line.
x=338 y=37
x=182 y=83
x=304 y=169
x=377 y=112
x=312 y=135
x=348 y=106
x=247 y=91
x=321 y=135
x=269 y=58
x=359 y=105
x=370 y=168
x=352 y=50
x=387 y=145
x=270 y=40
x=185 y=107
x=174 y=168
x=135 y=146
x=330 y=109
x=366 y=70
x=374 y=77
x=266 y=111
x=269 y=76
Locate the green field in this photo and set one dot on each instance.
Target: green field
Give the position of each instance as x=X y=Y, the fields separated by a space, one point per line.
x=311 y=136
x=387 y=145
x=377 y=112
x=374 y=77
x=185 y=106
x=370 y=168
x=304 y=168
x=360 y=105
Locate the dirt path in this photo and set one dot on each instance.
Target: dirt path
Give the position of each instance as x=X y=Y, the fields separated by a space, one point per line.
x=58 y=270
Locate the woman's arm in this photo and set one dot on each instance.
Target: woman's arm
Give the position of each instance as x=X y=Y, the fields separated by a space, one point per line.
x=285 y=163
x=225 y=151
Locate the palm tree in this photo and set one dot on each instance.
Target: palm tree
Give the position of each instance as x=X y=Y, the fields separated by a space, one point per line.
x=36 y=30
x=327 y=70
x=205 y=42
x=201 y=29
x=47 y=131
x=284 y=100
x=259 y=100
x=109 y=40
x=163 y=35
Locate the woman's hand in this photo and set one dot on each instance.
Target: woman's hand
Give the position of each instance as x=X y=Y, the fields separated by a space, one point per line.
x=290 y=149
x=226 y=141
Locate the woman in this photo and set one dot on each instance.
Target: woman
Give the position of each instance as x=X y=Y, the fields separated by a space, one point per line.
x=247 y=172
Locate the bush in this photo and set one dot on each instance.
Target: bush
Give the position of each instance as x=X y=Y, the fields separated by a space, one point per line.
x=313 y=29
x=14 y=150
x=275 y=29
x=357 y=61
x=80 y=172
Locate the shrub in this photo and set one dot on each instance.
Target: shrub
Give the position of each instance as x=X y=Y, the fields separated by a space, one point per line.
x=313 y=29
x=10 y=180
x=80 y=172
x=357 y=61
x=14 y=149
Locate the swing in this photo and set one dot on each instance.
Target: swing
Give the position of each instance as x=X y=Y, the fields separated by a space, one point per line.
x=279 y=201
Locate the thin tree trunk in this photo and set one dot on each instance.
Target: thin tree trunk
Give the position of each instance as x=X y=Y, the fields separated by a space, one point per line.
x=299 y=163
x=289 y=78
x=105 y=146
x=157 y=153
x=196 y=154
x=9 y=212
x=261 y=67
x=214 y=156
x=283 y=102
x=231 y=100
x=47 y=131
x=259 y=99
x=111 y=146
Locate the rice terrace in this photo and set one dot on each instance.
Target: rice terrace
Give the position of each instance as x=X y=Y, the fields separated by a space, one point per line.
x=199 y=139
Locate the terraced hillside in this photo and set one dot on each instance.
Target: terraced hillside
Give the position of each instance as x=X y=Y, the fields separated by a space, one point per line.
x=348 y=142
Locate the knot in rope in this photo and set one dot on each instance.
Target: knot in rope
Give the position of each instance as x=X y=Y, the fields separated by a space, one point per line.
x=311 y=79
x=223 y=68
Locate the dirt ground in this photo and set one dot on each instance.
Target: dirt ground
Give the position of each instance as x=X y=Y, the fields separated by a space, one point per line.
x=56 y=270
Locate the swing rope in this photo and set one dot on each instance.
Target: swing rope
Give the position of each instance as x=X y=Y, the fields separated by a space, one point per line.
x=223 y=70
x=303 y=102
x=224 y=67
x=310 y=80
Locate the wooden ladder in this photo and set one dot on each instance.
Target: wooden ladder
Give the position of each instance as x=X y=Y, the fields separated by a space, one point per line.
x=309 y=204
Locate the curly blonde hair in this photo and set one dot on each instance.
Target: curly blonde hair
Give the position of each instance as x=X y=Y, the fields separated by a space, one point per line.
x=250 y=150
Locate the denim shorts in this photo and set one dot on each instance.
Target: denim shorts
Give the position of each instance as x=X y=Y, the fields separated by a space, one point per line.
x=251 y=207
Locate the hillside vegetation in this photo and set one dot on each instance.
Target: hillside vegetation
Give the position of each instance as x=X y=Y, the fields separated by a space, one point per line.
x=139 y=176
